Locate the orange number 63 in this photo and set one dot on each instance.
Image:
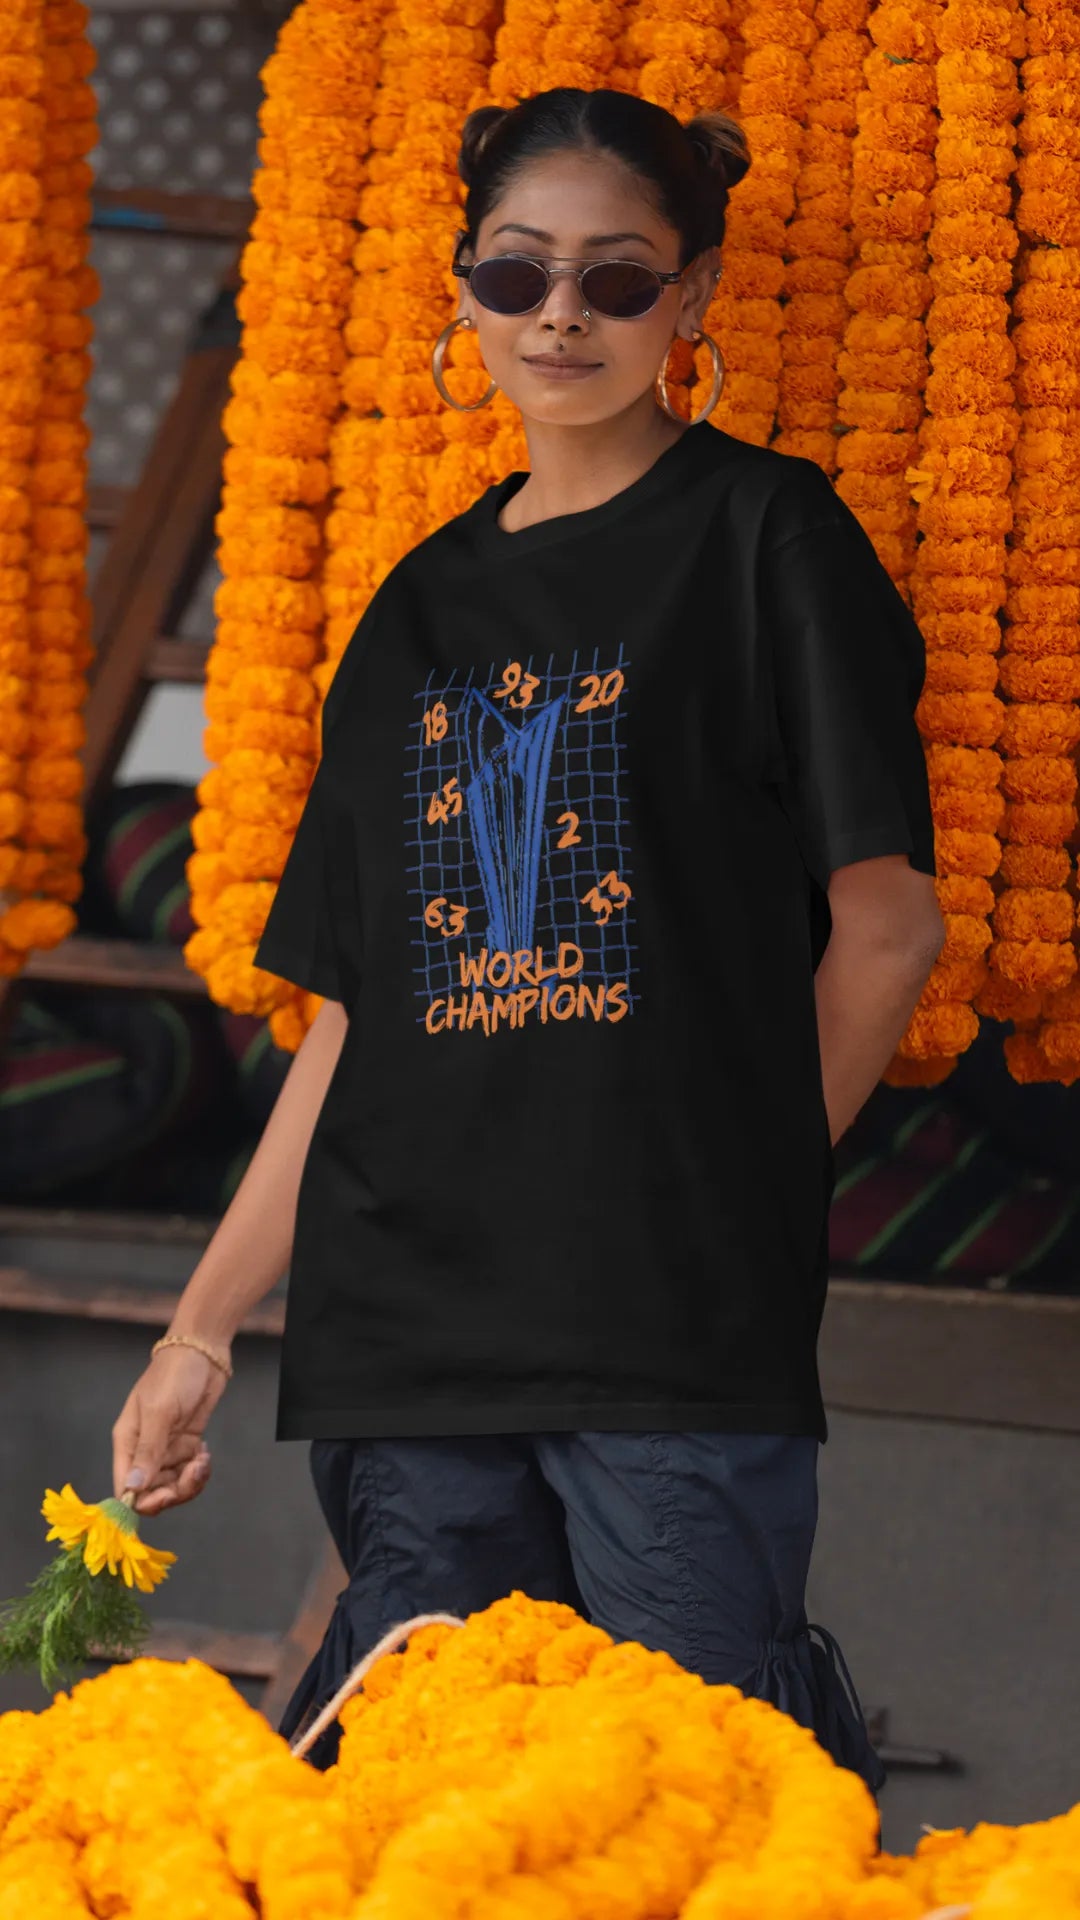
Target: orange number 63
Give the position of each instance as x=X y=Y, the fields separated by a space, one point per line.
x=434 y=916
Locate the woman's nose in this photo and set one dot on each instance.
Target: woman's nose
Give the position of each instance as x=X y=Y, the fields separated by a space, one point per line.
x=564 y=301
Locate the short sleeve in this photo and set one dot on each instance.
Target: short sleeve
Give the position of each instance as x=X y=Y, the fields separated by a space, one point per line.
x=848 y=668
x=311 y=932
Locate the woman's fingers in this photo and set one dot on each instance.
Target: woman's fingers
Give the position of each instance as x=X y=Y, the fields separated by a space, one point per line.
x=125 y=1436
x=158 y=1436
x=178 y=1484
x=193 y=1476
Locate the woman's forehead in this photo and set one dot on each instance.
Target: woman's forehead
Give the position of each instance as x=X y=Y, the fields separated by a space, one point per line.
x=606 y=205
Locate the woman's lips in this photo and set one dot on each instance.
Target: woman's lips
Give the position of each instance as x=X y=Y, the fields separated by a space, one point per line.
x=563 y=369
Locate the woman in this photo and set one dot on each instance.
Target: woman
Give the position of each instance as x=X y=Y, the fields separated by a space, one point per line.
x=616 y=876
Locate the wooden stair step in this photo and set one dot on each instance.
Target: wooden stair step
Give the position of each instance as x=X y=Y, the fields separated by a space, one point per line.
x=177 y=662
x=241 y=1656
x=25 y=1289
x=97 y=1224
x=105 y=506
x=82 y=960
x=191 y=216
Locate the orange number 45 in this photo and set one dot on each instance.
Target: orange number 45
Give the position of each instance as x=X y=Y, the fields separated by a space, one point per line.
x=443 y=805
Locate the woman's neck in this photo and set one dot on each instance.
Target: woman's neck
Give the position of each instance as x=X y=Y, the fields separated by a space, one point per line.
x=572 y=469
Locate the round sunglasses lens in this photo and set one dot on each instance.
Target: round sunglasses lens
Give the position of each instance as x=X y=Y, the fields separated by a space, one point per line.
x=620 y=288
x=508 y=286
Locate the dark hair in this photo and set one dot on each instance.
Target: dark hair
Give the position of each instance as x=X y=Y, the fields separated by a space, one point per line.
x=687 y=170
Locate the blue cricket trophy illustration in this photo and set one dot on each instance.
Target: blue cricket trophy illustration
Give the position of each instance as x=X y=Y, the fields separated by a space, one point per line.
x=509 y=764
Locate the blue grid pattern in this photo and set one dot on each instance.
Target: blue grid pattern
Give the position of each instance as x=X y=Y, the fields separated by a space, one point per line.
x=586 y=778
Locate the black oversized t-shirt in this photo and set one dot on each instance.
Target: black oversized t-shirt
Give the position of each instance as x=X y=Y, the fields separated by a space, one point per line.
x=564 y=862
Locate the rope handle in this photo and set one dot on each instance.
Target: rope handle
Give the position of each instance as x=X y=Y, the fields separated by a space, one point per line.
x=389 y=1643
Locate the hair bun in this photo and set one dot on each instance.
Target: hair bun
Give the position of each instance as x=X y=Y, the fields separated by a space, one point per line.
x=721 y=143
x=476 y=131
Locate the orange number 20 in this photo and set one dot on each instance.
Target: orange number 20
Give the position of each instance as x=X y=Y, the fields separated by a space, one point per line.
x=601 y=693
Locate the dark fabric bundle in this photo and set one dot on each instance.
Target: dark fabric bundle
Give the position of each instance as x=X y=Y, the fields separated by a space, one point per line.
x=972 y=1183
x=90 y=1079
x=140 y=842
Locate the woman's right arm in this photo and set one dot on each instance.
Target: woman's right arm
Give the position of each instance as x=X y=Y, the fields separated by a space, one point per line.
x=157 y=1440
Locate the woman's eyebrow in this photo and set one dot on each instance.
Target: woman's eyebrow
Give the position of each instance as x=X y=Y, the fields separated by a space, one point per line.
x=590 y=240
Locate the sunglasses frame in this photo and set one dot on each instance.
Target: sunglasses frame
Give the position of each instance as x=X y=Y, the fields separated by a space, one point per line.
x=663 y=280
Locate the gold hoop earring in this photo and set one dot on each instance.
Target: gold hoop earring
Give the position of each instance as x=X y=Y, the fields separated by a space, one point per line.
x=715 y=391
x=437 y=357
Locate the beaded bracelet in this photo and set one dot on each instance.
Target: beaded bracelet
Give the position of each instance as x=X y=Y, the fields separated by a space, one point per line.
x=200 y=1346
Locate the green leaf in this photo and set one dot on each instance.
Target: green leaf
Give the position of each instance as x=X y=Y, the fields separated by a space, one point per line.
x=67 y=1617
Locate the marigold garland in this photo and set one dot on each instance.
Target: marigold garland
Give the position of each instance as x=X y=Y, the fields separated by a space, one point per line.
x=47 y=126
x=520 y=1766
x=959 y=481
x=882 y=362
x=1035 y=916
x=820 y=239
x=679 y=54
x=747 y=307
x=261 y=703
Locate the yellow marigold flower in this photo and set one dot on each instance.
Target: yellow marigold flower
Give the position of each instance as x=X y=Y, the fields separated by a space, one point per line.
x=108 y=1530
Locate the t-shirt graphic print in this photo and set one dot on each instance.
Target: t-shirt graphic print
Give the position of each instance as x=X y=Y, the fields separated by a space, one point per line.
x=564 y=865
x=522 y=889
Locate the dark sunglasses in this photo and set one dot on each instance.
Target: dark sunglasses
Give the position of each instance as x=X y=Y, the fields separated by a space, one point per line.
x=516 y=283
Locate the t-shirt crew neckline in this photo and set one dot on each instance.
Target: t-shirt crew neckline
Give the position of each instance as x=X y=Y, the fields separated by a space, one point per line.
x=564 y=526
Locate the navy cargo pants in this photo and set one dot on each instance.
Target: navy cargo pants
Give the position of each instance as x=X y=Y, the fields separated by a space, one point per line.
x=695 y=1543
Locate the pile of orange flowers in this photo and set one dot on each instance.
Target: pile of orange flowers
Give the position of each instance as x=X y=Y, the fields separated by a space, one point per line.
x=47 y=128
x=521 y=1767
x=886 y=309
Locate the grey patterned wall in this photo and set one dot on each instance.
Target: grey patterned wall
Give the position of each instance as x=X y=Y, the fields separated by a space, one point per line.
x=178 y=91
x=177 y=97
